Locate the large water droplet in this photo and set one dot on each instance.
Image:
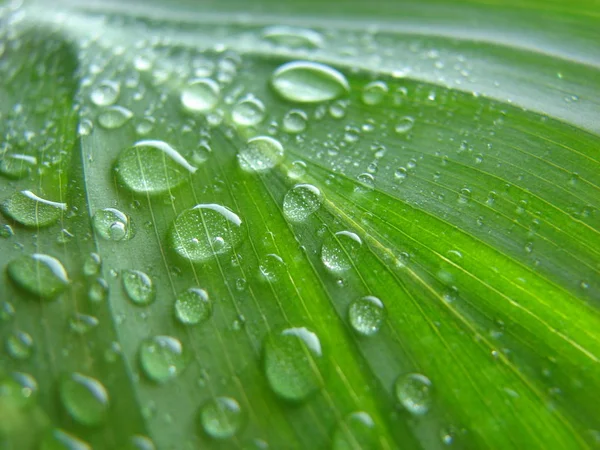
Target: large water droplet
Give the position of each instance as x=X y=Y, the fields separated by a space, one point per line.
x=112 y=224
x=366 y=315
x=163 y=358
x=84 y=398
x=16 y=166
x=19 y=345
x=105 y=93
x=193 y=306
x=356 y=432
x=301 y=201
x=413 y=391
x=293 y=37
x=308 y=82
x=293 y=363
x=152 y=167
x=340 y=251
x=58 y=439
x=221 y=418
x=32 y=211
x=200 y=95
x=38 y=274
x=114 y=117
x=260 y=154
x=249 y=111
x=204 y=231
x=139 y=287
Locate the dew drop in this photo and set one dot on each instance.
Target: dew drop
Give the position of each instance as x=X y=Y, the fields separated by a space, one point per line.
x=297 y=170
x=200 y=233
x=308 y=82
x=105 y=93
x=98 y=290
x=404 y=125
x=7 y=311
x=248 y=112
x=152 y=167
x=293 y=363
x=357 y=431
x=340 y=251
x=293 y=37
x=295 y=121
x=200 y=95
x=30 y=210
x=367 y=182
x=374 y=92
x=301 y=201
x=139 y=442
x=85 y=127
x=92 y=265
x=272 y=267
x=139 y=287
x=16 y=166
x=366 y=315
x=112 y=225
x=221 y=418
x=163 y=358
x=39 y=274
x=20 y=389
x=19 y=345
x=193 y=306
x=58 y=439
x=82 y=323
x=260 y=154
x=413 y=391
x=85 y=399
x=114 y=117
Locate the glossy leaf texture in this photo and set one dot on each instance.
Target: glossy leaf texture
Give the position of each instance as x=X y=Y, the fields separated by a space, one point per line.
x=313 y=226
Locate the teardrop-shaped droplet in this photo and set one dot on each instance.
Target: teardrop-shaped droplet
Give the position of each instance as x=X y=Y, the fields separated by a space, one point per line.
x=193 y=306
x=38 y=274
x=58 y=439
x=356 y=432
x=260 y=154
x=85 y=399
x=16 y=166
x=293 y=363
x=163 y=358
x=30 y=210
x=308 y=82
x=301 y=201
x=19 y=345
x=200 y=233
x=114 y=117
x=248 y=112
x=293 y=37
x=221 y=418
x=366 y=315
x=413 y=391
x=82 y=323
x=341 y=251
x=112 y=225
x=139 y=287
x=200 y=95
x=152 y=167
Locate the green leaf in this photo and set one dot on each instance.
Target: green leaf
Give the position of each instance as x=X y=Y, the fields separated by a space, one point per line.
x=344 y=225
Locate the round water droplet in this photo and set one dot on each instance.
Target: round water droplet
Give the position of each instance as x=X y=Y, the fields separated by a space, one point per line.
x=82 y=323
x=221 y=418
x=114 y=117
x=298 y=170
x=356 y=432
x=260 y=154
x=112 y=225
x=272 y=267
x=105 y=93
x=38 y=274
x=19 y=345
x=16 y=166
x=7 y=311
x=404 y=125
x=30 y=210
x=20 y=390
x=301 y=201
x=139 y=442
x=200 y=233
x=340 y=251
x=413 y=391
x=202 y=153
x=295 y=121
x=85 y=127
x=308 y=82
x=249 y=111
x=84 y=398
x=374 y=92
x=163 y=358
x=366 y=315
x=152 y=167
x=200 y=95
x=98 y=290
x=293 y=37
x=139 y=287
x=193 y=306
x=92 y=265
x=367 y=182
x=293 y=363
x=58 y=439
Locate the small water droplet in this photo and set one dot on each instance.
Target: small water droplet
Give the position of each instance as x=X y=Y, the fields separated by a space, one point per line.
x=301 y=201
x=112 y=224
x=248 y=112
x=293 y=37
x=366 y=315
x=98 y=290
x=114 y=117
x=221 y=418
x=413 y=391
x=272 y=267
x=297 y=170
x=260 y=154
x=308 y=82
x=295 y=121
x=139 y=287
x=357 y=431
x=374 y=92
x=7 y=311
x=145 y=125
x=19 y=389
x=58 y=439
x=105 y=93
x=340 y=251
x=85 y=127
x=38 y=274
x=367 y=182
x=163 y=358
x=200 y=95
x=92 y=265
x=193 y=306
x=30 y=210
x=139 y=442
x=82 y=323
x=404 y=125
x=19 y=345
x=464 y=196
x=85 y=399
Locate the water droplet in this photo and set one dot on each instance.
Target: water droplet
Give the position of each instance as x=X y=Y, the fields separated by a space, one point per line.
x=301 y=201
x=295 y=121
x=114 y=117
x=85 y=127
x=374 y=92
x=204 y=231
x=366 y=315
x=82 y=323
x=84 y=398
x=38 y=274
x=356 y=432
x=193 y=306
x=293 y=363
x=221 y=418
x=6 y=231
x=337 y=109
x=367 y=182
x=92 y=265
x=139 y=442
x=404 y=125
x=139 y=287
x=20 y=389
x=297 y=170
x=401 y=173
x=16 y=166
x=308 y=82
x=464 y=195
x=7 y=311
x=58 y=439
x=112 y=225
x=105 y=93
x=19 y=345
x=30 y=210
x=260 y=154
x=413 y=391
x=202 y=153
x=200 y=95
x=98 y=290
x=272 y=267
x=145 y=125
x=293 y=37
x=152 y=167
x=340 y=251
x=249 y=111
x=163 y=358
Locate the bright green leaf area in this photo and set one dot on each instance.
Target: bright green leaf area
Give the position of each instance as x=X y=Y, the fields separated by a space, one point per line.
x=300 y=225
